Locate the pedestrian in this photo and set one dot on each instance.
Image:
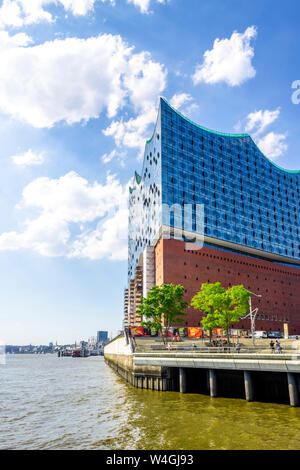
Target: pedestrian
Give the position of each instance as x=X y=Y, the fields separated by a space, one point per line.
x=169 y=347
x=278 y=347
x=272 y=344
x=237 y=347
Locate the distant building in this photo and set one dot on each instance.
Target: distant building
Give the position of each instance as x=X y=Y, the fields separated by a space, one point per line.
x=92 y=341
x=102 y=336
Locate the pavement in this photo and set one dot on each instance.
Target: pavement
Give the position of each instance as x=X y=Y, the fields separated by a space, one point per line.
x=262 y=344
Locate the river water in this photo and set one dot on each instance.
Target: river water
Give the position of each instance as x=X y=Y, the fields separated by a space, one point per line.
x=48 y=402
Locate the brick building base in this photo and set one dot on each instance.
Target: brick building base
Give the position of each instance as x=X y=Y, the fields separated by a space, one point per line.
x=278 y=284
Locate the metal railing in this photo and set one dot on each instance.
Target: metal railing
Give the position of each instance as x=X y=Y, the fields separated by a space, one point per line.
x=210 y=349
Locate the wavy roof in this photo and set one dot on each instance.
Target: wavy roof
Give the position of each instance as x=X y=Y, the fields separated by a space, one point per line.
x=224 y=134
x=227 y=135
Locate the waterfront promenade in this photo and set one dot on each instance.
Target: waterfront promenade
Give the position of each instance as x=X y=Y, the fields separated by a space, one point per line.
x=255 y=374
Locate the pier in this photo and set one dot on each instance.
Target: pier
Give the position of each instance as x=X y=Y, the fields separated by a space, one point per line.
x=253 y=376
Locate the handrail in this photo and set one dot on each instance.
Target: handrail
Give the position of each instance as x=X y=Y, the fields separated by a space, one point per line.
x=209 y=349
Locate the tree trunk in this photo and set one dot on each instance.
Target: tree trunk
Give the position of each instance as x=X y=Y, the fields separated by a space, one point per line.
x=227 y=334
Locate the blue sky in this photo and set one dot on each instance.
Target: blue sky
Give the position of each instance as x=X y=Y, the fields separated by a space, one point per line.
x=80 y=82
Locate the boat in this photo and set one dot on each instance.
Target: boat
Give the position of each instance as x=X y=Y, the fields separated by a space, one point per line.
x=77 y=353
x=80 y=353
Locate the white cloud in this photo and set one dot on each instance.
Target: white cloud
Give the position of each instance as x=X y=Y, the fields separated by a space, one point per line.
x=80 y=7
x=65 y=206
x=29 y=158
x=10 y=43
x=143 y=5
x=180 y=99
x=229 y=61
x=184 y=102
x=134 y=132
x=259 y=120
x=114 y=154
x=107 y=157
x=273 y=145
x=74 y=79
x=108 y=240
x=145 y=82
x=17 y=13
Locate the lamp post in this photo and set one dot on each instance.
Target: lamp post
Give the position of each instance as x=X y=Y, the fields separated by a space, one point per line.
x=252 y=315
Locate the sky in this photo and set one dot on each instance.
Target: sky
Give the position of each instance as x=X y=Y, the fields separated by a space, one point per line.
x=80 y=82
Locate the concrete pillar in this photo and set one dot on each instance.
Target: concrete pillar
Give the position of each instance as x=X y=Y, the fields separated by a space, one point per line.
x=182 y=380
x=293 y=389
x=249 y=391
x=212 y=383
x=164 y=385
x=152 y=383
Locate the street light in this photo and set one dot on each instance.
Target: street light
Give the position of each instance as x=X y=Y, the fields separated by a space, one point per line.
x=252 y=315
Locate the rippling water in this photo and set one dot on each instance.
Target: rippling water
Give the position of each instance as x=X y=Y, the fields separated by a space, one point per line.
x=48 y=402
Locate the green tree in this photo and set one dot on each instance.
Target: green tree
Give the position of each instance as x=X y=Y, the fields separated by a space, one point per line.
x=221 y=306
x=163 y=306
x=209 y=300
x=236 y=305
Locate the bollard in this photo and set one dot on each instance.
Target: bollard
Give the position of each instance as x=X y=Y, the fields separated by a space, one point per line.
x=293 y=390
x=212 y=383
x=249 y=392
x=182 y=380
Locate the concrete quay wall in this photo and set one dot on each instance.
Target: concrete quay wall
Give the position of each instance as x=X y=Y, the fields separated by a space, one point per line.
x=254 y=362
x=118 y=355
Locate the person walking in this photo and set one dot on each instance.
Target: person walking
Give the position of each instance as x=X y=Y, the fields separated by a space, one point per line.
x=272 y=344
x=278 y=347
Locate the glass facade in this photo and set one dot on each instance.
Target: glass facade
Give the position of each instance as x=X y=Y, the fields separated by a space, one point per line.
x=248 y=200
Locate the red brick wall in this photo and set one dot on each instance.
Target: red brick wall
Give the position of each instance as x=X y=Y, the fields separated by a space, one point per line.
x=279 y=285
